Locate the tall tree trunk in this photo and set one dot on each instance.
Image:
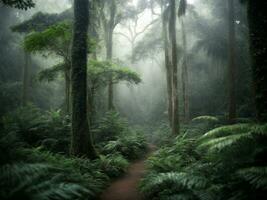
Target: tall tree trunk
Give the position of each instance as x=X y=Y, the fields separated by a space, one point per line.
x=185 y=81
x=175 y=101
x=91 y=105
x=168 y=66
x=81 y=140
x=26 y=79
x=257 y=19
x=231 y=62
x=109 y=48
x=67 y=88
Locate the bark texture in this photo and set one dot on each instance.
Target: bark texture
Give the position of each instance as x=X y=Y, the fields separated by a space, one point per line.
x=257 y=18
x=81 y=141
x=168 y=65
x=109 y=49
x=185 y=80
x=175 y=101
x=67 y=88
x=231 y=63
x=26 y=79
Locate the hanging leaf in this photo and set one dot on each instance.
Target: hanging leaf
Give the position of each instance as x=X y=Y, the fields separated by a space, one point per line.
x=182 y=8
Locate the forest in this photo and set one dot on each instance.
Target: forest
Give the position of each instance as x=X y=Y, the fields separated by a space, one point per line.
x=133 y=100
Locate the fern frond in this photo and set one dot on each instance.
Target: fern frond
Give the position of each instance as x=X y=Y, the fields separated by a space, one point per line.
x=256 y=176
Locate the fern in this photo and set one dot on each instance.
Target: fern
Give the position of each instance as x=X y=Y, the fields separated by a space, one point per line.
x=226 y=130
x=256 y=176
x=219 y=144
x=180 y=183
x=114 y=164
x=37 y=181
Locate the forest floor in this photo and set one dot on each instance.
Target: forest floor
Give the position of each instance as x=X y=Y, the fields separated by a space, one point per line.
x=126 y=188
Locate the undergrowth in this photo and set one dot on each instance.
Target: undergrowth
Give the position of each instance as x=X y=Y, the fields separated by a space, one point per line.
x=225 y=163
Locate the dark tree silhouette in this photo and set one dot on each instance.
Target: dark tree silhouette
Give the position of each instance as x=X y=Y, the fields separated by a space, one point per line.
x=81 y=141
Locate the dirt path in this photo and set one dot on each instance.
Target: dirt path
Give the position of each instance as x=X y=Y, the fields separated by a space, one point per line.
x=125 y=188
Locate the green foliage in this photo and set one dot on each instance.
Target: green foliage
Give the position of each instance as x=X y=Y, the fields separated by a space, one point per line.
x=206 y=119
x=114 y=165
x=36 y=127
x=44 y=175
x=20 y=4
x=173 y=185
x=161 y=134
x=55 y=39
x=100 y=73
x=41 y=21
x=50 y=74
x=225 y=163
x=109 y=126
x=174 y=156
x=37 y=181
x=131 y=146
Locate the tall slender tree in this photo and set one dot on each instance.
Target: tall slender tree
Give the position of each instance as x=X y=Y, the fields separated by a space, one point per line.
x=81 y=140
x=231 y=62
x=175 y=101
x=109 y=23
x=26 y=79
x=185 y=81
x=167 y=59
x=257 y=20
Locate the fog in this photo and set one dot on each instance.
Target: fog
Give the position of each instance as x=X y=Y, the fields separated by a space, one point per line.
x=146 y=102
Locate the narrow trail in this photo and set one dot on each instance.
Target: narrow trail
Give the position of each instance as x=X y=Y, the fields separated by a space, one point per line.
x=125 y=188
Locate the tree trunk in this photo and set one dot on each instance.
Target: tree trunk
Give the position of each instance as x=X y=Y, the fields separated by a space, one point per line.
x=81 y=140
x=231 y=63
x=185 y=81
x=257 y=19
x=175 y=101
x=67 y=89
x=109 y=48
x=91 y=105
x=168 y=67
x=26 y=79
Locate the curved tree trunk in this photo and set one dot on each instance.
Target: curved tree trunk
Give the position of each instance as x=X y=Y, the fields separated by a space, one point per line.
x=81 y=140
x=175 y=101
x=257 y=19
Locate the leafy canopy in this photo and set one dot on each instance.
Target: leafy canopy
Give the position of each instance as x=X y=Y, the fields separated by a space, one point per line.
x=56 y=39
x=20 y=4
x=100 y=72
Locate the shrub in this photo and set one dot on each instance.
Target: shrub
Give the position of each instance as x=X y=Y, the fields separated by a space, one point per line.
x=37 y=182
x=36 y=127
x=109 y=127
x=131 y=146
x=114 y=165
x=225 y=163
x=206 y=119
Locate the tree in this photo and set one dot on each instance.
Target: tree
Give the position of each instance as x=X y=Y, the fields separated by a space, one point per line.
x=81 y=140
x=109 y=23
x=132 y=25
x=100 y=73
x=111 y=16
x=185 y=82
x=165 y=16
x=174 y=63
x=55 y=39
x=26 y=79
x=231 y=62
x=257 y=20
x=20 y=4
